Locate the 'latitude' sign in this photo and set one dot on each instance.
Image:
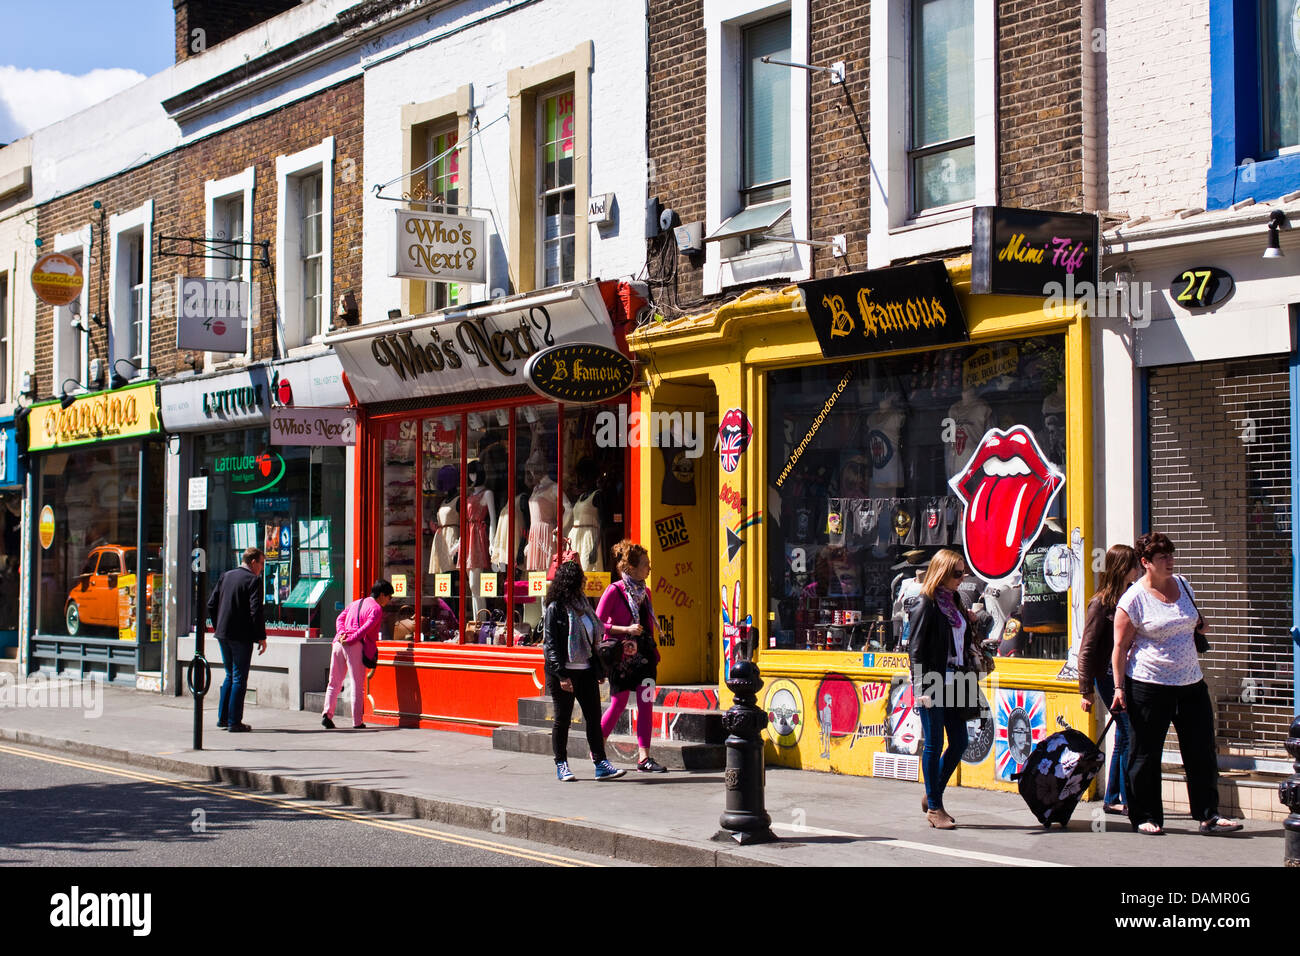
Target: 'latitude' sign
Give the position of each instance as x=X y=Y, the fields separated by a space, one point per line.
x=579 y=374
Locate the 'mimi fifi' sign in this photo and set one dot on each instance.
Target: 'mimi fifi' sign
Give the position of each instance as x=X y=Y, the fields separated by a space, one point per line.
x=1023 y=251
x=103 y=416
x=884 y=310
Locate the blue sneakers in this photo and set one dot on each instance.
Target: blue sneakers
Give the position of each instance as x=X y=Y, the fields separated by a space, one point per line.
x=563 y=773
x=607 y=771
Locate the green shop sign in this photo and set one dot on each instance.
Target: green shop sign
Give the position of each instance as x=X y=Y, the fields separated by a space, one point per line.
x=251 y=474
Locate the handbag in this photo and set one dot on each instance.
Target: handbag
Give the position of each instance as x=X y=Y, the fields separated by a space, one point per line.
x=1198 y=636
x=566 y=553
x=475 y=626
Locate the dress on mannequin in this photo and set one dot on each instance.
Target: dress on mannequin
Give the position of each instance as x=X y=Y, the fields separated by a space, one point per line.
x=505 y=545
x=477 y=515
x=446 y=538
x=585 y=533
x=543 y=512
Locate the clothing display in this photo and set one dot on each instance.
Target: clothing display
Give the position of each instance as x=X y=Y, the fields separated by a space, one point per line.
x=1044 y=610
x=446 y=537
x=543 y=515
x=477 y=516
x=504 y=544
x=584 y=535
x=934 y=530
x=679 y=477
x=971 y=419
x=885 y=429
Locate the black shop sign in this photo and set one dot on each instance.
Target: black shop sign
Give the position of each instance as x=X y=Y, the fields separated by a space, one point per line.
x=1024 y=251
x=884 y=310
x=579 y=374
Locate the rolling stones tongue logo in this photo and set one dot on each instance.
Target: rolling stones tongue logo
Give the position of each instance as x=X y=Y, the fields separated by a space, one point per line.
x=1007 y=487
x=733 y=438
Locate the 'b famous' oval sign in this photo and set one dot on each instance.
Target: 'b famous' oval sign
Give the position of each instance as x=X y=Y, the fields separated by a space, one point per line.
x=579 y=374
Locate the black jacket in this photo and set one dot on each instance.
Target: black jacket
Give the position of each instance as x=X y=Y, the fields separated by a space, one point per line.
x=555 y=646
x=929 y=639
x=235 y=607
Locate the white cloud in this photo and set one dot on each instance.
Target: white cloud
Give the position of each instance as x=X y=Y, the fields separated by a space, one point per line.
x=32 y=99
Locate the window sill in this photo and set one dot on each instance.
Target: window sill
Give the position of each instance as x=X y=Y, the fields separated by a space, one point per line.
x=314 y=347
x=936 y=218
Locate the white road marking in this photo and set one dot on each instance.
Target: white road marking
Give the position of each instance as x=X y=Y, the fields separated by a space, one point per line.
x=920 y=847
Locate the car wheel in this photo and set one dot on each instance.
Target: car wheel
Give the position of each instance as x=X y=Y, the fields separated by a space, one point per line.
x=73 y=618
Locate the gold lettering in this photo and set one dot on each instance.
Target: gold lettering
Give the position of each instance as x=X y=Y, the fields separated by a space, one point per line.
x=841 y=321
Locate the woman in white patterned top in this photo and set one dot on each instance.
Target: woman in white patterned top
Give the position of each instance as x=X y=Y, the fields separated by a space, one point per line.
x=1157 y=680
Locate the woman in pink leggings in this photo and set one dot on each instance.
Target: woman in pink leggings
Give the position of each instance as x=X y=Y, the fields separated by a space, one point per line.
x=357 y=627
x=627 y=613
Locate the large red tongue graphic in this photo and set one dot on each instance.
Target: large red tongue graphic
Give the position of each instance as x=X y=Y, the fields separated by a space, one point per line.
x=1003 y=511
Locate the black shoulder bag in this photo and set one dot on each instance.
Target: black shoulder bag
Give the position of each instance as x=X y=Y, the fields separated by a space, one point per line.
x=1202 y=642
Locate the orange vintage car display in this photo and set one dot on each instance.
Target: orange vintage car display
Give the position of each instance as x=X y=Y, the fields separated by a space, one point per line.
x=93 y=599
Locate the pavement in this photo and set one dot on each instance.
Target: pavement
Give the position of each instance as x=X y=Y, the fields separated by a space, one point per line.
x=671 y=819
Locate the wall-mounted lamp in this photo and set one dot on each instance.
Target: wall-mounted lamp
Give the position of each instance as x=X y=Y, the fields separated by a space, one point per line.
x=119 y=380
x=1276 y=221
x=68 y=398
x=394 y=313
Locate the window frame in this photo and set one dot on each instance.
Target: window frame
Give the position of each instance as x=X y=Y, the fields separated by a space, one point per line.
x=732 y=262
x=218 y=193
x=6 y=340
x=291 y=334
x=68 y=351
x=543 y=194
x=897 y=232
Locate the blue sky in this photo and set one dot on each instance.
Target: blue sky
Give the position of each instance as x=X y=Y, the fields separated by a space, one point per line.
x=60 y=56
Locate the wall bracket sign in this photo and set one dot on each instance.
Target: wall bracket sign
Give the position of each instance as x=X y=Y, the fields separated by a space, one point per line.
x=1201 y=287
x=1022 y=251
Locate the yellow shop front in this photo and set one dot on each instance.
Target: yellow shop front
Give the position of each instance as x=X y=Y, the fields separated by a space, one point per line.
x=863 y=423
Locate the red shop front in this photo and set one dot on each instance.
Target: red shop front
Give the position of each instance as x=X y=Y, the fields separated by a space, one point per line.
x=469 y=483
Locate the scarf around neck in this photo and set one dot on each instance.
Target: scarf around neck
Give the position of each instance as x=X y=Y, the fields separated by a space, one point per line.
x=584 y=631
x=634 y=592
x=944 y=598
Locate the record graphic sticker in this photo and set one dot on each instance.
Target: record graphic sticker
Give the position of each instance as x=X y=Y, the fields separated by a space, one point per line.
x=1007 y=488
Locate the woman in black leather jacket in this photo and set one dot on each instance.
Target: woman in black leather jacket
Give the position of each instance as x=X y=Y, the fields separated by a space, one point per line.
x=944 y=658
x=571 y=632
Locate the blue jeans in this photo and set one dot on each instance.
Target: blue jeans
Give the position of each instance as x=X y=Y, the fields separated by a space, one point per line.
x=1116 y=787
x=238 y=658
x=936 y=722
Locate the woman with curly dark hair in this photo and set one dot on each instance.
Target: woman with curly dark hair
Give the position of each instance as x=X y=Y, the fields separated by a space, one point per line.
x=571 y=632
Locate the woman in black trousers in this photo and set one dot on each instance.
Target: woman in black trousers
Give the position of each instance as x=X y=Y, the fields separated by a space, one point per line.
x=1157 y=680
x=571 y=632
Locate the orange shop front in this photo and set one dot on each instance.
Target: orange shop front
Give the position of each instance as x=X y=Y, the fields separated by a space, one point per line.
x=470 y=484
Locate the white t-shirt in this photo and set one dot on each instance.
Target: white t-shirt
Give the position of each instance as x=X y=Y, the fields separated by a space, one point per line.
x=1164 y=649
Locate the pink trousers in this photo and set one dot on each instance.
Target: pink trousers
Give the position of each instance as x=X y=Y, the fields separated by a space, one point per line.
x=346 y=659
x=644 y=715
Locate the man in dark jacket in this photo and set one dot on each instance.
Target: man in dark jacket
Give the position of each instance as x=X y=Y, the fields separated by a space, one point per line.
x=235 y=607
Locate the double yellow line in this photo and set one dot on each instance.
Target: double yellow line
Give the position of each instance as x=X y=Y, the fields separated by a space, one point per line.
x=337 y=813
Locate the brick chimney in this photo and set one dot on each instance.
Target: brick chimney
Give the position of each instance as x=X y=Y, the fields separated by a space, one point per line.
x=202 y=24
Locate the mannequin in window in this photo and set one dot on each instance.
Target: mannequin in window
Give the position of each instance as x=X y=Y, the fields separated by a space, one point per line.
x=971 y=419
x=543 y=514
x=444 y=552
x=584 y=536
x=480 y=523
x=1053 y=434
x=884 y=431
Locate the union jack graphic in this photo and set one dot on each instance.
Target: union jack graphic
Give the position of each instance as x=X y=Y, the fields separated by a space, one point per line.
x=1017 y=708
x=734 y=434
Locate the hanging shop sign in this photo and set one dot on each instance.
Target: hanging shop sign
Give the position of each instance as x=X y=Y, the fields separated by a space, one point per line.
x=438 y=248
x=251 y=474
x=1023 y=251
x=212 y=315
x=246 y=398
x=1201 y=287
x=45 y=527
x=121 y=413
x=478 y=348
x=57 y=279
x=578 y=374
x=313 y=426
x=884 y=310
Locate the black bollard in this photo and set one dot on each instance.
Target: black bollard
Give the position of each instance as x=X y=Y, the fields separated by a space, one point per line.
x=746 y=816
x=1289 y=794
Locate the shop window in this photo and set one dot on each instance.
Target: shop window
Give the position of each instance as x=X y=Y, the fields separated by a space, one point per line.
x=550 y=106
x=289 y=501
x=476 y=505
x=93 y=493
x=861 y=501
x=757 y=142
x=230 y=227
x=304 y=244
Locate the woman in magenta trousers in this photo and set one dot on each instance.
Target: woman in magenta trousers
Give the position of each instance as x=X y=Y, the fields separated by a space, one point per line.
x=357 y=627
x=627 y=613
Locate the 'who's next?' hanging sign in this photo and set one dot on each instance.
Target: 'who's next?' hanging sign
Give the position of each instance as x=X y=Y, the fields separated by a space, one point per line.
x=438 y=248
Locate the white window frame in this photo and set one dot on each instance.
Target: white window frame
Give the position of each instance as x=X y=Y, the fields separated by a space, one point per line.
x=724 y=22
x=541 y=194
x=894 y=233
x=122 y=228
x=68 y=342
x=216 y=192
x=291 y=338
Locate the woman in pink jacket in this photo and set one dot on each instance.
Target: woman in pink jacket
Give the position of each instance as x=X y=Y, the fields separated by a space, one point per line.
x=627 y=614
x=357 y=627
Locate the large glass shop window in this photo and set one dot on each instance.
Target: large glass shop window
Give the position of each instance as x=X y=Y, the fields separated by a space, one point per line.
x=877 y=464
x=287 y=500
x=84 y=575
x=479 y=516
